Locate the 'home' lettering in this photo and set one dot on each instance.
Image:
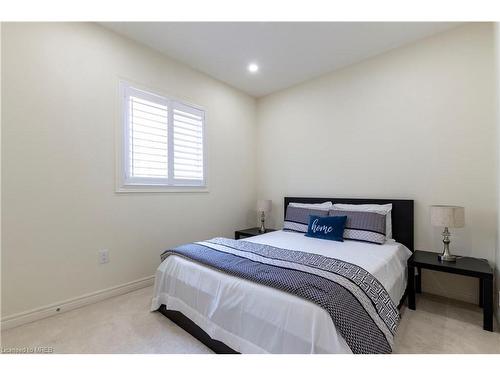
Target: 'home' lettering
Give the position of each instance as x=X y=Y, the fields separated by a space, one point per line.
x=321 y=228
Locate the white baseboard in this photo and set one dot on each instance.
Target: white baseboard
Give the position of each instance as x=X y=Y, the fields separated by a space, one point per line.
x=18 y=319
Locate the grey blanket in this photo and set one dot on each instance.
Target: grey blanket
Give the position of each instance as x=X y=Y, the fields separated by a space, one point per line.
x=358 y=304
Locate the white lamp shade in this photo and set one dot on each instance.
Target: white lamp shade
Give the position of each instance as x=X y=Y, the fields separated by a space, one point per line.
x=264 y=205
x=448 y=216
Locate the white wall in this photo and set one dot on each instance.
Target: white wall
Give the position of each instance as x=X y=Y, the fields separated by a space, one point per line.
x=417 y=122
x=60 y=113
x=497 y=99
x=1 y=25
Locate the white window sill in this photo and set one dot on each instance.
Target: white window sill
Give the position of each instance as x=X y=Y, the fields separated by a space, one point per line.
x=161 y=189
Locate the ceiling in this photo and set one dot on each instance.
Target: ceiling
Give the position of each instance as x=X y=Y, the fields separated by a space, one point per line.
x=287 y=52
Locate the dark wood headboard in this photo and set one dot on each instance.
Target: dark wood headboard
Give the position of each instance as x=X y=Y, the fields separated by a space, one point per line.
x=402 y=214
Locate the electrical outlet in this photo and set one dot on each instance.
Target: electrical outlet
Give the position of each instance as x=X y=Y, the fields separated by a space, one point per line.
x=103 y=256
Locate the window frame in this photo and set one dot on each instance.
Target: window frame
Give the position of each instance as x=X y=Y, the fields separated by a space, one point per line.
x=127 y=183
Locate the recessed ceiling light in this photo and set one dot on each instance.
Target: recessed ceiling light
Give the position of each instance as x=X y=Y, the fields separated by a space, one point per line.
x=253 y=68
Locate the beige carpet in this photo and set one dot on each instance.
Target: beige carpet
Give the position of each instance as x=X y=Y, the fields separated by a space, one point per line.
x=124 y=325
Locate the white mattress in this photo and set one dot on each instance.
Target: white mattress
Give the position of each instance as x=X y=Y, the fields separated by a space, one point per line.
x=251 y=318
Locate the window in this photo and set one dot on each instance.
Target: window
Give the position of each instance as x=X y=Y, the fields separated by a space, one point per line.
x=163 y=141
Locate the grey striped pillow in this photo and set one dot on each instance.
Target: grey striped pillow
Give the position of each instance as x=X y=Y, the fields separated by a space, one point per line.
x=297 y=218
x=363 y=226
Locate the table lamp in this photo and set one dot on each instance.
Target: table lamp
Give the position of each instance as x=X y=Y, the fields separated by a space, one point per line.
x=447 y=217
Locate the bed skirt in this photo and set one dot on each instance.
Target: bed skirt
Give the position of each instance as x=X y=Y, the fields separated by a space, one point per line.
x=194 y=330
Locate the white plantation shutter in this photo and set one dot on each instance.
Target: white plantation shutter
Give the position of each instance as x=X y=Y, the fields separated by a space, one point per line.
x=188 y=143
x=163 y=141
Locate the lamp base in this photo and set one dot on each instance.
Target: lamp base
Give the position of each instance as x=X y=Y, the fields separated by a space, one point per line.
x=447 y=258
x=262 y=228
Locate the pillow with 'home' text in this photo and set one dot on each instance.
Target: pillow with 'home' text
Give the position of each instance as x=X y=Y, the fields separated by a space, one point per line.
x=327 y=228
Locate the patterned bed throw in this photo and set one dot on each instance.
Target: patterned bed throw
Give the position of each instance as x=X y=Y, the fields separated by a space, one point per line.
x=358 y=304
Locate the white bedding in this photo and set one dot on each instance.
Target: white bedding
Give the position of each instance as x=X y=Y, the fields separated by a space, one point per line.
x=252 y=318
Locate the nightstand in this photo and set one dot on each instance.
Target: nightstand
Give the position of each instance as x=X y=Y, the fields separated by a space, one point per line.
x=250 y=232
x=474 y=267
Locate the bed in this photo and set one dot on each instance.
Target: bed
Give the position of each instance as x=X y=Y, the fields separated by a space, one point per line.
x=230 y=314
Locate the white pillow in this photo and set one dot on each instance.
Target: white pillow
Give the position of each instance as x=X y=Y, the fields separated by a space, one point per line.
x=384 y=209
x=314 y=206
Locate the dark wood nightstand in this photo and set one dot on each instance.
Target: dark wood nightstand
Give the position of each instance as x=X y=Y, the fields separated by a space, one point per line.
x=250 y=232
x=467 y=266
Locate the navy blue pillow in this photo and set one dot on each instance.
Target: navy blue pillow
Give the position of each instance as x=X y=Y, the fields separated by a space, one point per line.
x=327 y=228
